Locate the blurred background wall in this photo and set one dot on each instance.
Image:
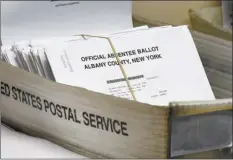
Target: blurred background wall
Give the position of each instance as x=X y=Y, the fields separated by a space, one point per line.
x=167 y=12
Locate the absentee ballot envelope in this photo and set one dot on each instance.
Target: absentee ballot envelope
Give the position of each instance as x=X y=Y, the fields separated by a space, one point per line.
x=30 y=54
x=158 y=73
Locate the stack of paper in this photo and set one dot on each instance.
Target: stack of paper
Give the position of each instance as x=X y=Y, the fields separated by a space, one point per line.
x=31 y=56
x=146 y=61
x=158 y=74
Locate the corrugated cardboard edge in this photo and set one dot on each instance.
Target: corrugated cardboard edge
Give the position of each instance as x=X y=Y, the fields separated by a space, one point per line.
x=23 y=75
x=200 y=24
x=138 y=21
x=197 y=24
x=200 y=107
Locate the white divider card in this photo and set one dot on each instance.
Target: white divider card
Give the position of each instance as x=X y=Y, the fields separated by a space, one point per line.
x=20 y=19
x=162 y=65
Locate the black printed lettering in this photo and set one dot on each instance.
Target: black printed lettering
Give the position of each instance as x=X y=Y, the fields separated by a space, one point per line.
x=138 y=59
x=110 y=123
x=59 y=113
x=29 y=97
x=147 y=50
x=99 y=122
x=76 y=118
x=64 y=111
x=5 y=89
x=155 y=56
x=92 y=58
x=46 y=105
x=92 y=120
x=107 y=124
x=115 y=127
x=95 y=65
x=2 y=88
x=70 y=114
x=52 y=108
x=24 y=99
x=19 y=94
x=111 y=55
x=86 y=119
x=34 y=102
x=14 y=91
x=39 y=105
x=124 y=129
